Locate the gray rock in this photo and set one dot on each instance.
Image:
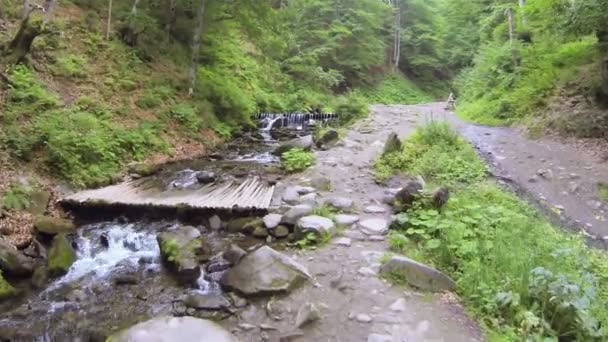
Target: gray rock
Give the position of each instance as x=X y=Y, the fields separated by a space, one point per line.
x=244 y=225
x=355 y=235
x=545 y=173
x=291 y=195
x=346 y=220
x=366 y=272
x=206 y=177
x=265 y=272
x=399 y=305
x=52 y=225
x=280 y=232
x=206 y=301
x=39 y=201
x=76 y=295
x=408 y=194
x=310 y=199
x=233 y=254
x=374 y=209
x=393 y=144
x=304 y=143
x=307 y=314
x=14 y=262
x=363 y=318
x=215 y=223
x=304 y=190
x=296 y=212
x=327 y=139
x=61 y=256
x=179 y=249
x=418 y=274
x=377 y=238
x=379 y=338
x=340 y=203
x=343 y=241
x=260 y=232
x=316 y=224
x=184 y=329
x=321 y=183
x=374 y=226
x=271 y=221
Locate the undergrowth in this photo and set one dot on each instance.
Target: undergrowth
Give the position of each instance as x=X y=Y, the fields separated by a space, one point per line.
x=523 y=278
x=396 y=89
x=297 y=160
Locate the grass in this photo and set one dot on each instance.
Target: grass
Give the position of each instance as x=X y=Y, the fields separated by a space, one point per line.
x=521 y=277
x=396 y=89
x=296 y=160
x=603 y=191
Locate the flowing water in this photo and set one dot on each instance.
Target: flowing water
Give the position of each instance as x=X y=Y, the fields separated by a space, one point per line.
x=88 y=301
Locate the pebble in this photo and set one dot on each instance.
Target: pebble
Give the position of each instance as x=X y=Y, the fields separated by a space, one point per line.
x=246 y=326
x=399 y=305
x=366 y=271
x=351 y=316
x=374 y=209
x=377 y=238
x=560 y=207
x=343 y=241
x=363 y=318
x=379 y=338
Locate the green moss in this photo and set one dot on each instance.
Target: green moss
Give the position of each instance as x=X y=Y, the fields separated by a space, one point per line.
x=61 y=256
x=52 y=225
x=603 y=191
x=6 y=289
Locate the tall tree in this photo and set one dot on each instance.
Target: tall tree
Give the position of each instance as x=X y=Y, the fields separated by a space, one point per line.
x=109 y=22
x=196 y=45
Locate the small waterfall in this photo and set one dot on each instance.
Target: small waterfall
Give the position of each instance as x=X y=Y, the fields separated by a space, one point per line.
x=124 y=244
x=297 y=121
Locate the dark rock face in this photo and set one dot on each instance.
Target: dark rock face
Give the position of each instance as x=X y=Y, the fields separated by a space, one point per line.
x=206 y=177
x=264 y=272
x=14 y=262
x=393 y=144
x=327 y=138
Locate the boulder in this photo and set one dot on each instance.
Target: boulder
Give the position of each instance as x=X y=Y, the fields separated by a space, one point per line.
x=418 y=274
x=374 y=209
x=39 y=201
x=291 y=195
x=180 y=249
x=264 y=272
x=319 y=225
x=271 y=221
x=307 y=314
x=183 y=329
x=40 y=276
x=296 y=212
x=304 y=143
x=61 y=256
x=14 y=262
x=215 y=222
x=280 y=232
x=234 y=254
x=393 y=144
x=346 y=220
x=374 y=226
x=143 y=169
x=340 y=203
x=440 y=197
x=406 y=197
x=244 y=225
x=327 y=138
x=205 y=177
x=52 y=225
x=260 y=232
x=206 y=301
x=321 y=183
x=310 y=199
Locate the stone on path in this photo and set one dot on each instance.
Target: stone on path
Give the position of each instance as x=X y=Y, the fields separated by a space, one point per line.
x=183 y=329
x=206 y=301
x=310 y=199
x=339 y=203
x=363 y=318
x=399 y=305
x=291 y=195
x=366 y=272
x=379 y=338
x=272 y=221
x=374 y=209
x=264 y=272
x=343 y=241
x=374 y=226
x=418 y=274
x=354 y=235
x=321 y=183
x=307 y=313
x=316 y=224
x=296 y=212
x=346 y=220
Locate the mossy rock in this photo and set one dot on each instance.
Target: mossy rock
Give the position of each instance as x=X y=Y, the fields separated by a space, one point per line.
x=182 y=249
x=6 y=289
x=61 y=256
x=52 y=225
x=326 y=137
x=393 y=144
x=245 y=225
x=143 y=169
x=39 y=201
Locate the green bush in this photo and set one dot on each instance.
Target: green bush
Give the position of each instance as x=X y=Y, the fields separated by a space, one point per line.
x=296 y=160
x=16 y=197
x=70 y=66
x=436 y=153
x=350 y=108
x=25 y=90
x=396 y=90
x=187 y=115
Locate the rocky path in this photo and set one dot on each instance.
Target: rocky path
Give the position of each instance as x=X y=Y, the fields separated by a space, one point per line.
x=355 y=304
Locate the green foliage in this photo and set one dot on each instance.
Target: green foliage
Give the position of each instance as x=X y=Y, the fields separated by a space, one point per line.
x=16 y=197
x=70 y=66
x=297 y=160
x=325 y=211
x=396 y=90
x=6 y=289
x=603 y=191
x=171 y=250
x=312 y=240
x=436 y=153
x=350 y=107
x=187 y=115
x=26 y=95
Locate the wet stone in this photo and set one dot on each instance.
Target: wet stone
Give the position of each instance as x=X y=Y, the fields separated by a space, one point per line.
x=271 y=221
x=215 y=222
x=374 y=209
x=354 y=235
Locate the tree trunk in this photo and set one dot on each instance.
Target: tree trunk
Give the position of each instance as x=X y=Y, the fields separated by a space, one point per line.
x=196 y=46
x=172 y=17
x=602 y=92
x=49 y=7
x=26 y=9
x=397 y=51
x=20 y=46
x=524 y=21
x=509 y=14
x=109 y=22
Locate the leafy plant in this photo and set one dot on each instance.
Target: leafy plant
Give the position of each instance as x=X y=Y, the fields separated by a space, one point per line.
x=603 y=191
x=16 y=197
x=70 y=66
x=297 y=160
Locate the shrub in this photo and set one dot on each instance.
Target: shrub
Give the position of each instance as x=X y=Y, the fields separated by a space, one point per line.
x=350 y=108
x=396 y=90
x=16 y=197
x=26 y=90
x=70 y=66
x=187 y=115
x=296 y=160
